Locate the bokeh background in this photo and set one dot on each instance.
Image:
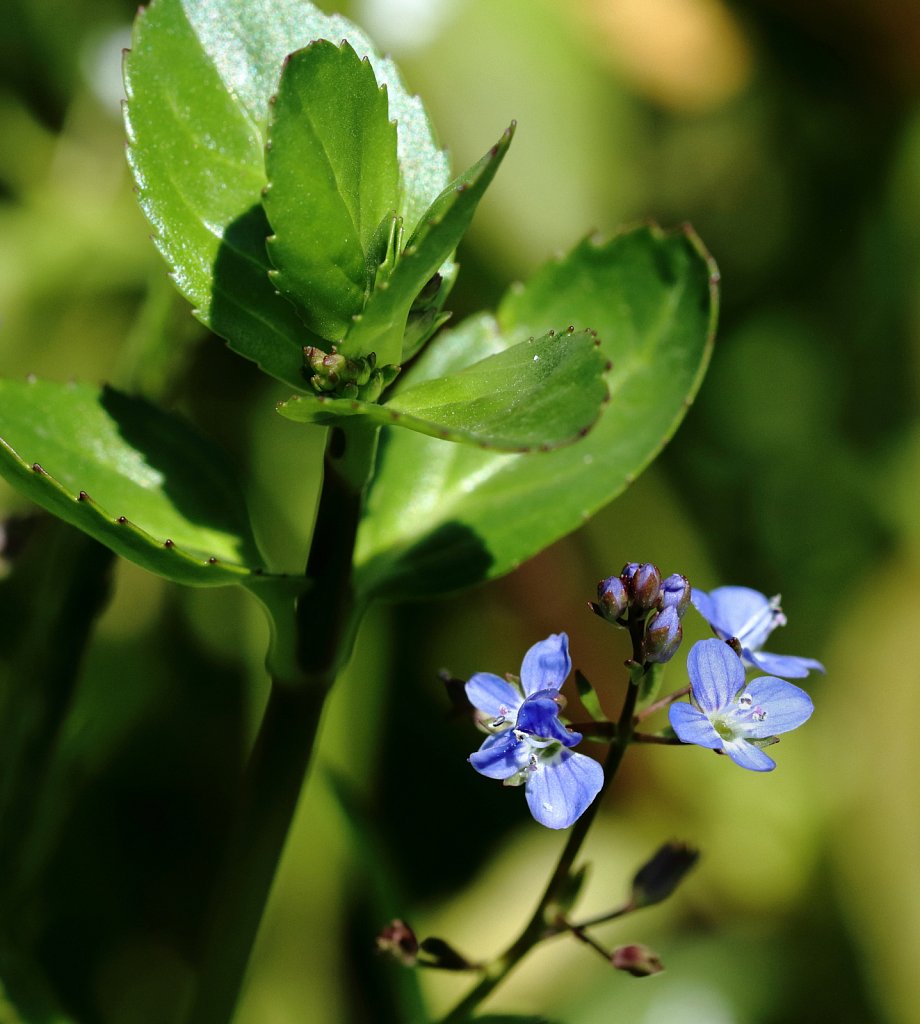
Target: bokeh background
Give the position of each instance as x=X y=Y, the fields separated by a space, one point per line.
x=788 y=134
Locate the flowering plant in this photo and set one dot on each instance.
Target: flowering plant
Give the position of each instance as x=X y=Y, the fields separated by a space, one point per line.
x=304 y=208
x=529 y=745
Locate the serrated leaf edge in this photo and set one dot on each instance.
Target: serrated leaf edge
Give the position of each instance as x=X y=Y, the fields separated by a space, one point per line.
x=108 y=525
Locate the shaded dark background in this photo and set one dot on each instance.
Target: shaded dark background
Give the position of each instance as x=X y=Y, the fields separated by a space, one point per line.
x=788 y=134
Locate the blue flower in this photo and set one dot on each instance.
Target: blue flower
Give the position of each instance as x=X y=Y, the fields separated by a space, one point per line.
x=530 y=746
x=732 y=716
x=750 y=617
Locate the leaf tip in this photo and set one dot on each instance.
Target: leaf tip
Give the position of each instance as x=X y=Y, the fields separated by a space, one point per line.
x=212 y=560
x=36 y=468
x=122 y=520
x=169 y=543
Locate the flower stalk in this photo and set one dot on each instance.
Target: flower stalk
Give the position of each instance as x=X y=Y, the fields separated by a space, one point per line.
x=547 y=920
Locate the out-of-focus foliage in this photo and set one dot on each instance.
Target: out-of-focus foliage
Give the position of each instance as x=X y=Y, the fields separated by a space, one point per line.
x=788 y=134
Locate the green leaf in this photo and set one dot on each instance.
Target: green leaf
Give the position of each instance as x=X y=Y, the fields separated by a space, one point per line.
x=538 y=394
x=589 y=697
x=129 y=475
x=571 y=889
x=650 y=684
x=441 y=517
x=199 y=78
x=332 y=181
x=382 y=325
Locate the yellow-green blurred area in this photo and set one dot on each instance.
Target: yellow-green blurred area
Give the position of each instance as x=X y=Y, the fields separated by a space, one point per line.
x=788 y=134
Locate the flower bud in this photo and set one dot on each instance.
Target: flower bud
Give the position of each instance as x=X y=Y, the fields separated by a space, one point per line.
x=639 y=961
x=663 y=635
x=612 y=598
x=439 y=953
x=644 y=585
x=661 y=875
x=675 y=593
x=398 y=940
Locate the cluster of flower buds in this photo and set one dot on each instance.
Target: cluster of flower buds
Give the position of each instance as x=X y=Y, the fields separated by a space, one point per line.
x=333 y=374
x=641 y=588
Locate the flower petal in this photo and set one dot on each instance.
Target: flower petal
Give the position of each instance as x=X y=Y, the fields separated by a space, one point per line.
x=539 y=716
x=716 y=674
x=494 y=696
x=562 y=788
x=787 y=706
x=692 y=726
x=546 y=664
x=500 y=756
x=749 y=756
x=740 y=612
x=786 y=666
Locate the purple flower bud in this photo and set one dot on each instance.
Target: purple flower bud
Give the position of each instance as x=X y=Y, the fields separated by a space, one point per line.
x=661 y=875
x=663 y=635
x=612 y=598
x=398 y=940
x=639 y=961
x=644 y=585
x=675 y=592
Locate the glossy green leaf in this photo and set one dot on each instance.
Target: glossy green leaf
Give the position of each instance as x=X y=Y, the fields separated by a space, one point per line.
x=199 y=78
x=333 y=180
x=136 y=479
x=382 y=325
x=441 y=517
x=538 y=394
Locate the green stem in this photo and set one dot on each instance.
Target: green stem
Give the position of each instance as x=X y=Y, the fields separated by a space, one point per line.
x=311 y=642
x=270 y=791
x=544 y=921
x=580 y=934
x=661 y=704
x=611 y=915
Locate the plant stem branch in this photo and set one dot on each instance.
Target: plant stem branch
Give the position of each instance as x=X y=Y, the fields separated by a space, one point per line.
x=661 y=704
x=664 y=741
x=611 y=915
x=545 y=920
x=579 y=932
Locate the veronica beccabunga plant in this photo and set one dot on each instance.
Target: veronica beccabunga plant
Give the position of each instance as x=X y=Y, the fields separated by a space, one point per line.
x=303 y=207
x=528 y=744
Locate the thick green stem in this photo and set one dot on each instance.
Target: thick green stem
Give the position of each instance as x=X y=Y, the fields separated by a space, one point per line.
x=323 y=621
x=544 y=921
x=271 y=788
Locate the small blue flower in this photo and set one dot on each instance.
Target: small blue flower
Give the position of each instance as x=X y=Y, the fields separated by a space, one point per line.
x=750 y=617
x=730 y=715
x=530 y=746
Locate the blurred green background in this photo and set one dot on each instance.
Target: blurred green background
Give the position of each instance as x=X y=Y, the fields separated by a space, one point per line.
x=788 y=134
